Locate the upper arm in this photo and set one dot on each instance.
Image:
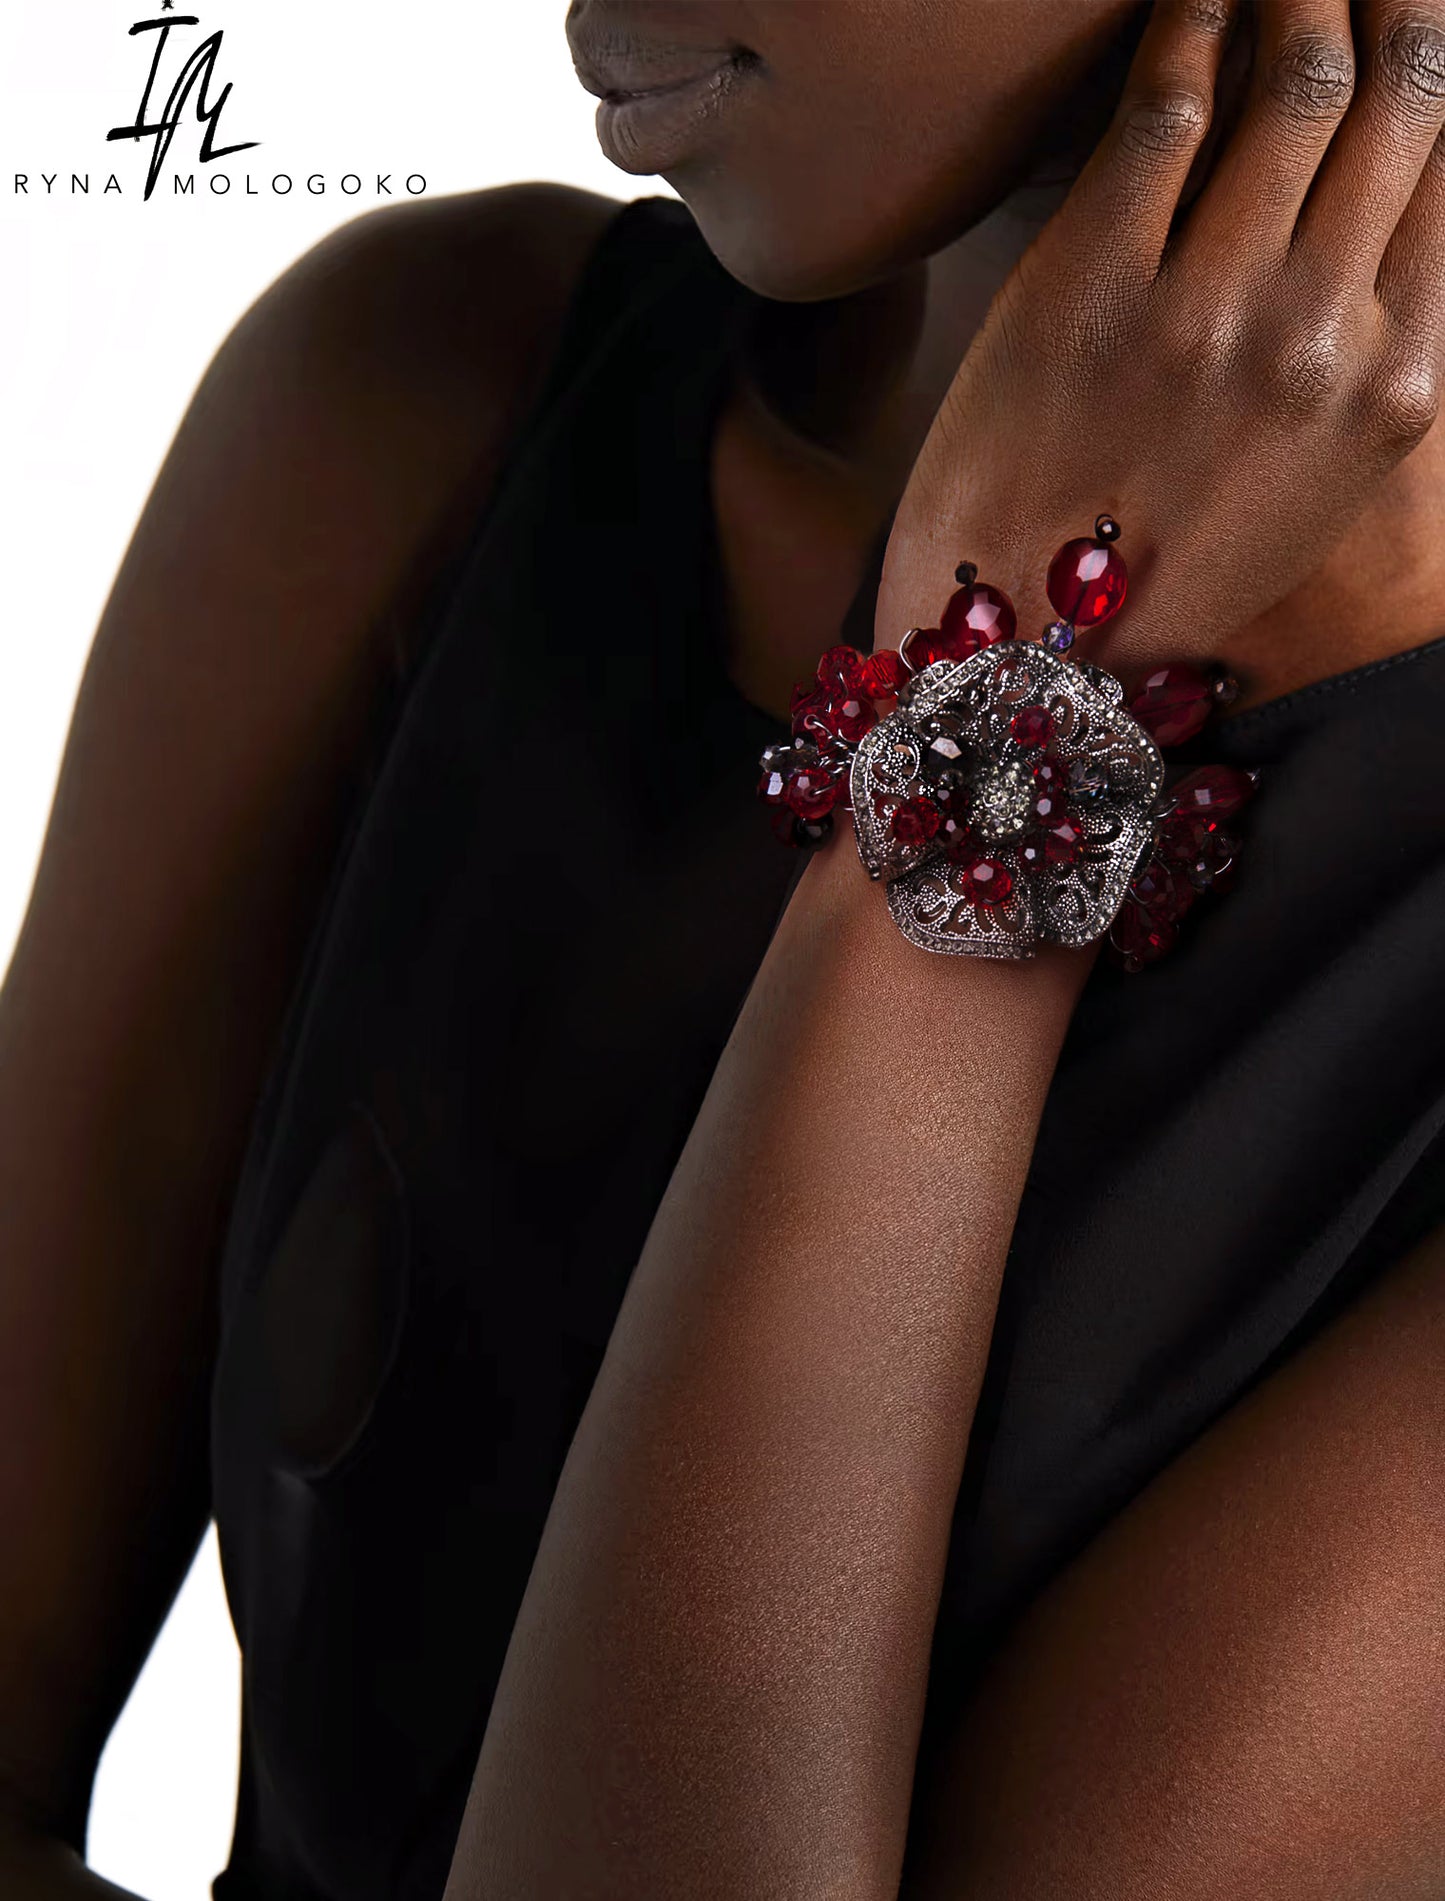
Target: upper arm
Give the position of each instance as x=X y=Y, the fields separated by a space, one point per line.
x=1239 y=1688
x=336 y=447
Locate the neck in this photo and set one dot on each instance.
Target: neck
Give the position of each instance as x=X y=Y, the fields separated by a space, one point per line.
x=879 y=365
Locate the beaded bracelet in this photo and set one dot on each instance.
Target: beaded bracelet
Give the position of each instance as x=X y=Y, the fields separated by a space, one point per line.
x=1008 y=793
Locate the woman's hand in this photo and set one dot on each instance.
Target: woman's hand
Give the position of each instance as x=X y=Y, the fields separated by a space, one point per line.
x=1231 y=380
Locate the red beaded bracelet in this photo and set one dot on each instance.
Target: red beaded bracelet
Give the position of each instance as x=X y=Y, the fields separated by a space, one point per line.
x=1009 y=793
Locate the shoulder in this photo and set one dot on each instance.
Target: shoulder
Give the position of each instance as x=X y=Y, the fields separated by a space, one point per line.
x=467 y=291
x=355 y=417
x=435 y=320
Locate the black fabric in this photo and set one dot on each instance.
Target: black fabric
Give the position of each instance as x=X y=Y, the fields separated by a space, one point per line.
x=546 y=916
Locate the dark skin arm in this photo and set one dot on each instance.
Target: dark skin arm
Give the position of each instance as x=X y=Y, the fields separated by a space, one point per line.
x=340 y=442
x=1238 y=1689
x=716 y=1677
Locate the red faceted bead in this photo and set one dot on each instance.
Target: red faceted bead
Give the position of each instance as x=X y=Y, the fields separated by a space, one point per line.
x=984 y=880
x=812 y=791
x=1087 y=582
x=1158 y=891
x=916 y=821
x=884 y=673
x=954 y=804
x=808 y=706
x=1032 y=726
x=1050 y=774
x=1173 y=703
x=842 y=673
x=1062 y=839
x=1048 y=807
x=976 y=616
x=1214 y=792
x=1139 y=936
x=849 y=719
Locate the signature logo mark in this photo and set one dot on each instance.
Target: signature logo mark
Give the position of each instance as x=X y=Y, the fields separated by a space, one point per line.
x=192 y=84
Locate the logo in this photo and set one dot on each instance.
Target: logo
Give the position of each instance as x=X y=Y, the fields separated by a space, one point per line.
x=191 y=88
x=184 y=97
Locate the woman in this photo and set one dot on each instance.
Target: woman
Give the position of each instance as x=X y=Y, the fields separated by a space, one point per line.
x=410 y=778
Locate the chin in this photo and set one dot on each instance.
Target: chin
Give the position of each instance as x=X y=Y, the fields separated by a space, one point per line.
x=795 y=244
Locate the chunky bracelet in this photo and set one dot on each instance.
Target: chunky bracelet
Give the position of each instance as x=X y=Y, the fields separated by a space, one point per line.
x=1008 y=793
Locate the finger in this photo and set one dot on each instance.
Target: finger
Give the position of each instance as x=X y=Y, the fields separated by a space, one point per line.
x=1132 y=183
x=1383 y=147
x=1300 y=88
x=1410 y=284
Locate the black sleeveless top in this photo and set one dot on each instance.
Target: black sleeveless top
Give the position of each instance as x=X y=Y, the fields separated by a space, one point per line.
x=543 y=921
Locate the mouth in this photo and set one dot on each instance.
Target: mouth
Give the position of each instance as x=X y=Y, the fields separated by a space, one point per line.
x=656 y=101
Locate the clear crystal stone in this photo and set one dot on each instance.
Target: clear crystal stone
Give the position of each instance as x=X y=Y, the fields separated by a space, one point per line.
x=1002 y=799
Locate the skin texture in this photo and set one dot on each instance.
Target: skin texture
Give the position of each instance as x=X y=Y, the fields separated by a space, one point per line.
x=715 y=1680
x=336 y=451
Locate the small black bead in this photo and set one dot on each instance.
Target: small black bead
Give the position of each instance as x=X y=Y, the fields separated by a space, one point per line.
x=966 y=573
x=1106 y=529
x=812 y=832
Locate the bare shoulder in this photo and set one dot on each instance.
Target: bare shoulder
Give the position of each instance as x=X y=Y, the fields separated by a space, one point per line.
x=345 y=431
x=453 y=305
x=406 y=349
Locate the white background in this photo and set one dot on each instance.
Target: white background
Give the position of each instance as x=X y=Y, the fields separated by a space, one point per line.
x=111 y=308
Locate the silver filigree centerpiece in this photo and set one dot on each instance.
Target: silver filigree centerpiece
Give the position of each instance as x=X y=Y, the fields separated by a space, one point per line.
x=994 y=880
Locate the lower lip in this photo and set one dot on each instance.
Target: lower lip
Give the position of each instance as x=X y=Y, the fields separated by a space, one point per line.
x=649 y=132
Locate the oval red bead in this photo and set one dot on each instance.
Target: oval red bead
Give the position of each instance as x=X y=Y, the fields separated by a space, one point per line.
x=1173 y=703
x=884 y=673
x=984 y=880
x=1087 y=582
x=975 y=617
x=916 y=821
x=1032 y=726
x=1214 y=792
x=812 y=791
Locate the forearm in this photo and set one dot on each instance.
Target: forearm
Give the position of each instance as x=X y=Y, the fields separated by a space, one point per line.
x=717 y=1674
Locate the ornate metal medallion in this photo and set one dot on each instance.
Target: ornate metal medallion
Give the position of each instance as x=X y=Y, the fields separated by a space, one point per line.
x=1050 y=787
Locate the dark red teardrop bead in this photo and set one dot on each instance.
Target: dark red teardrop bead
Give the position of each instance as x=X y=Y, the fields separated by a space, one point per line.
x=1173 y=703
x=1050 y=774
x=842 y=674
x=983 y=880
x=813 y=791
x=1032 y=726
x=1087 y=582
x=1216 y=792
x=884 y=673
x=916 y=821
